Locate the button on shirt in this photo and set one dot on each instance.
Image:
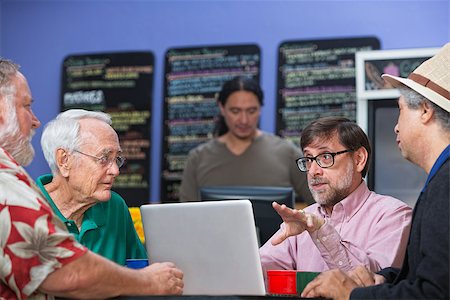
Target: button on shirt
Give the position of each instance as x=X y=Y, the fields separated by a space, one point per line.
x=365 y=228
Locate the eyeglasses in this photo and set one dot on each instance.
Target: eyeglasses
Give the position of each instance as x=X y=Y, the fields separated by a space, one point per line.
x=324 y=160
x=106 y=161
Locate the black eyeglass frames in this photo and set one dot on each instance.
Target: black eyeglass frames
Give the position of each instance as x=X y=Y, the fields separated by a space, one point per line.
x=324 y=160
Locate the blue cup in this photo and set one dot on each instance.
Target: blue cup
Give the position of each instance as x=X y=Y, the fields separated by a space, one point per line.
x=136 y=263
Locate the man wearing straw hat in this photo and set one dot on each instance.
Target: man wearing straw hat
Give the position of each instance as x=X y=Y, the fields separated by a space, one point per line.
x=423 y=137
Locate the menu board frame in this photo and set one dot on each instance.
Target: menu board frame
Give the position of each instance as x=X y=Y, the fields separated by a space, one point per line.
x=192 y=79
x=324 y=67
x=120 y=84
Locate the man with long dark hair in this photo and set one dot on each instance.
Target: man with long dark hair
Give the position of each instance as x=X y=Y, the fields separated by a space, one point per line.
x=241 y=154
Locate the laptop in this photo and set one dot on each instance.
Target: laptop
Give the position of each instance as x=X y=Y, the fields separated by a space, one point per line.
x=213 y=242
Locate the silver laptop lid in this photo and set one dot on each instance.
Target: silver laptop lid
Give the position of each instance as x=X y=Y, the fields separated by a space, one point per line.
x=213 y=243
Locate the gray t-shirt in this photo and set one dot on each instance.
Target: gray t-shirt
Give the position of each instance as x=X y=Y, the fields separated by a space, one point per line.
x=268 y=161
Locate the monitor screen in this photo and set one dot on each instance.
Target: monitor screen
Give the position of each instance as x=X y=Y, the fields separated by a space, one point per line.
x=267 y=219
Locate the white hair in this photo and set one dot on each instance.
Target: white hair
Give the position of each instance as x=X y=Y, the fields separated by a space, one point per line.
x=11 y=124
x=8 y=70
x=64 y=133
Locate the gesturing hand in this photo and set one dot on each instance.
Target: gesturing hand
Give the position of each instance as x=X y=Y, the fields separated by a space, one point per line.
x=295 y=222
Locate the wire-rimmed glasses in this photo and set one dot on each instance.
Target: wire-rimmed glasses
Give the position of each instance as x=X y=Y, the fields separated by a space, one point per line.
x=106 y=161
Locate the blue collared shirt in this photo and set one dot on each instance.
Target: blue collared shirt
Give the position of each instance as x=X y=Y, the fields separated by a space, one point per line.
x=437 y=165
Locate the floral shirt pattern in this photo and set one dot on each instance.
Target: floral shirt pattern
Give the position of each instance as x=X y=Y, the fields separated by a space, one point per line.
x=33 y=242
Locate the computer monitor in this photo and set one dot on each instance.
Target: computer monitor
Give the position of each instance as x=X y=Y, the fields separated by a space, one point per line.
x=267 y=219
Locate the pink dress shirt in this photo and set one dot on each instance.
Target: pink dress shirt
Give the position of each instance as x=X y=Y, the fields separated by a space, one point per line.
x=364 y=229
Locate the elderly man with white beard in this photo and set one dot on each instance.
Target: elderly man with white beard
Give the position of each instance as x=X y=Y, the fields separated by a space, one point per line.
x=39 y=258
x=349 y=225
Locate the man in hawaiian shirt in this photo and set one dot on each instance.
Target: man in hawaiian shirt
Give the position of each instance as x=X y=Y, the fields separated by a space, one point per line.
x=38 y=257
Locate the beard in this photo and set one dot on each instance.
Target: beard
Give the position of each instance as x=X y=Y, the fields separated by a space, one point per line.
x=333 y=193
x=24 y=153
x=13 y=141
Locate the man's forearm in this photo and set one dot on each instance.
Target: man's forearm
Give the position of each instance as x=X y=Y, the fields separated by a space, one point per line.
x=92 y=276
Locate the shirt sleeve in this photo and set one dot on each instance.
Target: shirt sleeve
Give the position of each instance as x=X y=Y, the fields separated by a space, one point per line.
x=389 y=273
x=391 y=232
x=34 y=243
x=189 y=186
x=279 y=257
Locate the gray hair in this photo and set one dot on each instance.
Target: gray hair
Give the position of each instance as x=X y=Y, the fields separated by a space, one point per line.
x=8 y=70
x=64 y=133
x=414 y=100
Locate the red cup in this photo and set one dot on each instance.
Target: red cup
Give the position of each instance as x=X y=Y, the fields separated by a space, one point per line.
x=282 y=282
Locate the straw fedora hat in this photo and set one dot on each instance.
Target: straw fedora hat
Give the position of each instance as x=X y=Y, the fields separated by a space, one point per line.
x=431 y=79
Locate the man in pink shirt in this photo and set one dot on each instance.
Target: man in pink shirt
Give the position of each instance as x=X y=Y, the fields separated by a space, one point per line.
x=349 y=225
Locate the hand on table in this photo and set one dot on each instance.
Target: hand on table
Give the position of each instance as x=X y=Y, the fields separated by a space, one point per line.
x=165 y=278
x=364 y=277
x=333 y=284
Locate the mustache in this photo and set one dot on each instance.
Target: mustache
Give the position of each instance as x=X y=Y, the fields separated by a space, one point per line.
x=317 y=180
x=30 y=136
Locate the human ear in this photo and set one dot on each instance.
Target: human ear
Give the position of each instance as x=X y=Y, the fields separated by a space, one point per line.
x=221 y=107
x=426 y=113
x=360 y=157
x=63 y=162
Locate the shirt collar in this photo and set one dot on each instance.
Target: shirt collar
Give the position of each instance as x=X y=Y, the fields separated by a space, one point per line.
x=437 y=165
x=96 y=214
x=8 y=163
x=43 y=180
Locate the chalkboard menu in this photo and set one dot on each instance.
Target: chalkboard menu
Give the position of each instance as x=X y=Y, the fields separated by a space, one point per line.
x=193 y=77
x=121 y=85
x=316 y=78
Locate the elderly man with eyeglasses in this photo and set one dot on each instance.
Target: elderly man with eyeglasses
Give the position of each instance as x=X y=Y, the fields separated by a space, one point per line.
x=39 y=258
x=84 y=155
x=349 y=225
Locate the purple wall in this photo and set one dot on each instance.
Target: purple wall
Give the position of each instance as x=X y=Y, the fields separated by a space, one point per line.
x=38 y=34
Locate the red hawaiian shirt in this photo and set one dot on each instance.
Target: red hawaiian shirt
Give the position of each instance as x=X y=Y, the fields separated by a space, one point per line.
x=33 y=241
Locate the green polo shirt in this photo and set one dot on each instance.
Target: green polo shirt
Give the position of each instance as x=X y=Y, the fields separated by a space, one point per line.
x=107 y=228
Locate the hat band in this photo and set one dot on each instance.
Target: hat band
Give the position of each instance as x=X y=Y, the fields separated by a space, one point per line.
x=422 y=80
